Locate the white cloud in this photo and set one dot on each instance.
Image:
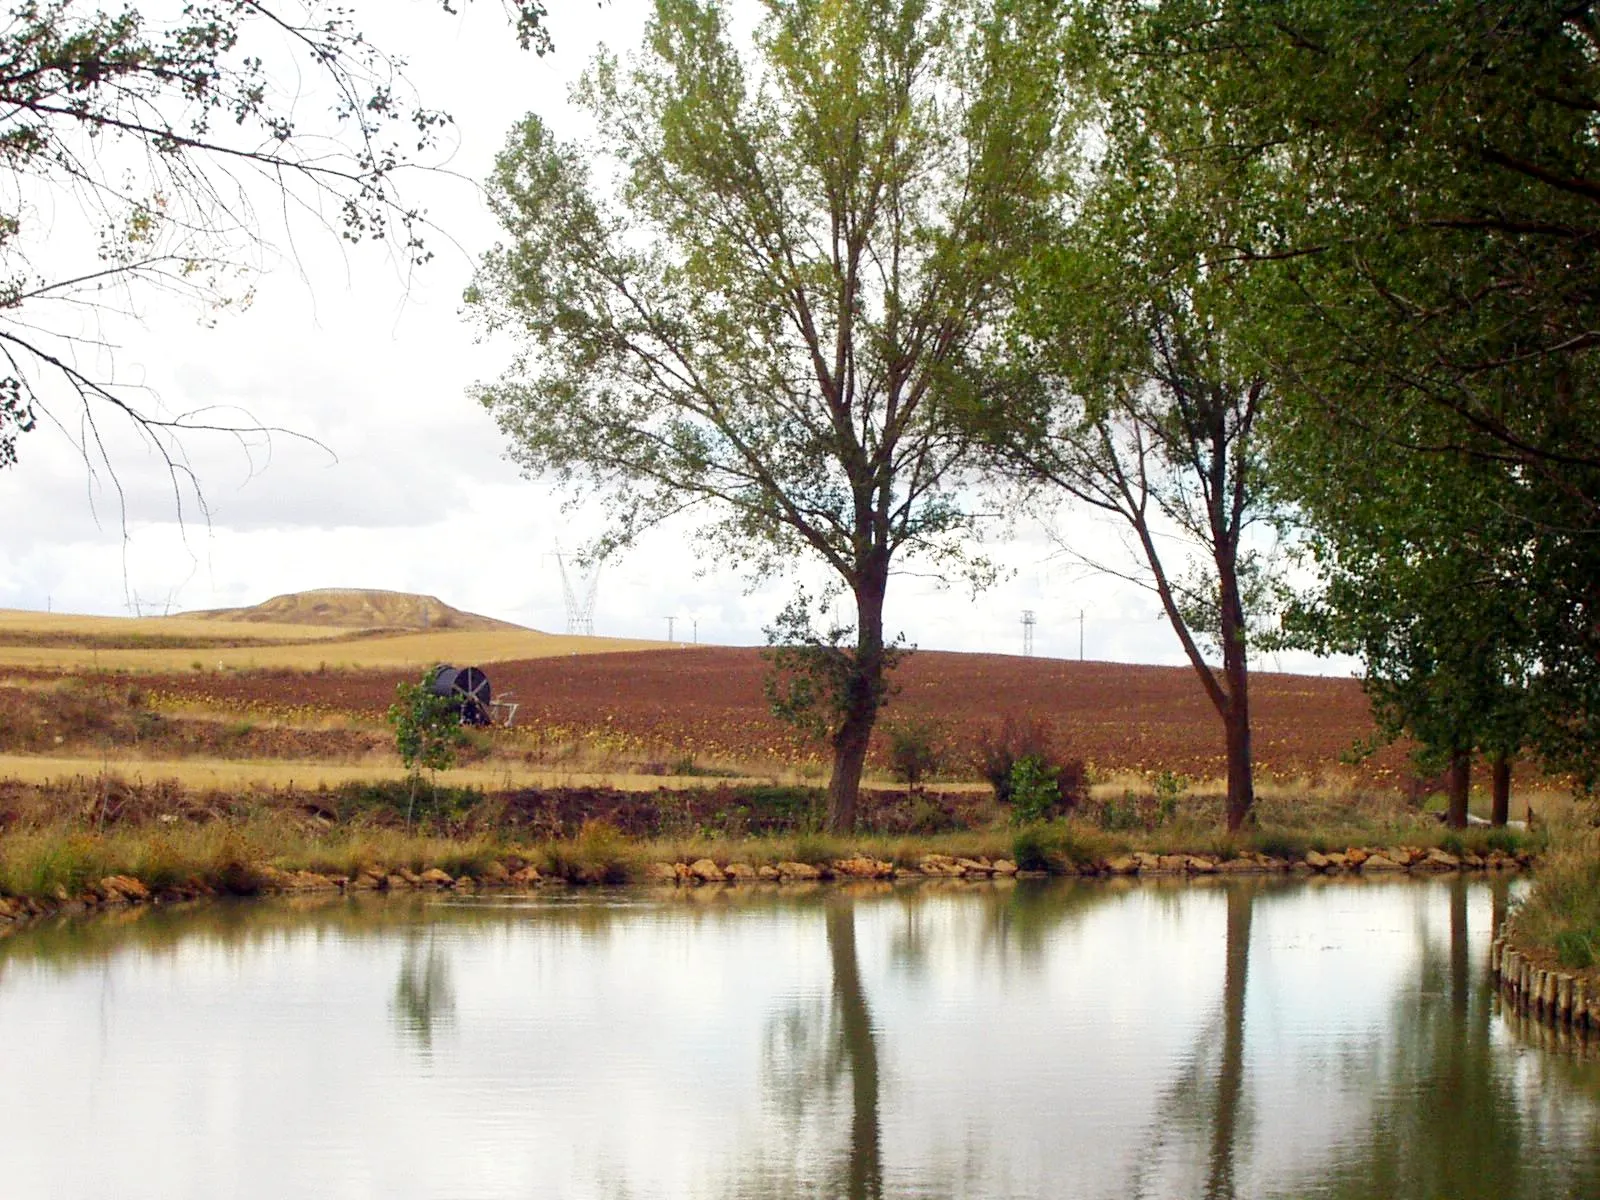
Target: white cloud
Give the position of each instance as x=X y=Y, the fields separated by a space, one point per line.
x=341 y=347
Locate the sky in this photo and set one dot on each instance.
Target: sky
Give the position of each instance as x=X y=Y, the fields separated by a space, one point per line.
x=394 y=478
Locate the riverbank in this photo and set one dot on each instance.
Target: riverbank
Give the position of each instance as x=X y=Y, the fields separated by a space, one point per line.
x=1547 y=962
x=70 y=868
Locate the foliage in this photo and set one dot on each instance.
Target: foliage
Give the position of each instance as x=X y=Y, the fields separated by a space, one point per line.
x=1000 y=748
x=1043 y=845
x=812 y=672
x=1139 y=391
x=1035 y=789
x=916 y=750
x=770 y=310
x=427 y=726
x=138 y=146
x=427 y=731
x=1434 y=172
x=1562 y=911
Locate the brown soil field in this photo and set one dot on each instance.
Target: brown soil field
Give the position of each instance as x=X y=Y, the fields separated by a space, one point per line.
x=707 y=704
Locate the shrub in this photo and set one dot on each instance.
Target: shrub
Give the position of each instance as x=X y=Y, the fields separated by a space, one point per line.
x=1035 y=789
x=1030 y=848
x=999 y=750
x=1040 y=846
x=916 y=750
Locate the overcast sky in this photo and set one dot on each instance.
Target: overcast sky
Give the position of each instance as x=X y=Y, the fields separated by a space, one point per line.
x=339 y=347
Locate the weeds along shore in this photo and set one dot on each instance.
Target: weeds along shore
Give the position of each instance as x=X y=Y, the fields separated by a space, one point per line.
x=105 y=841
x=1553 y=936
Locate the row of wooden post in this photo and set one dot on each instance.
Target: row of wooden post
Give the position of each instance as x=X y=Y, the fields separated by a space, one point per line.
x=1555 y=997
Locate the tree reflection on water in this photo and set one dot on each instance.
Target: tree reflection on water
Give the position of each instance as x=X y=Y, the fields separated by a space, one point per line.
x=424 y=996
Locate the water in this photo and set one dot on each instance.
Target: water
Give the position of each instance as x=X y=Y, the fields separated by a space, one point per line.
x=1259 y=1039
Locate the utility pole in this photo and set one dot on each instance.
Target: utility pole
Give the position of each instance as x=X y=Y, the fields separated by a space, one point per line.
x=1028 y=622
x=696 y=631
x=670 y=623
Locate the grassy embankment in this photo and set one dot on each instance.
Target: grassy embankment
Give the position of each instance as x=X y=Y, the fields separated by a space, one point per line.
x=1559 y=920
x=59 y=841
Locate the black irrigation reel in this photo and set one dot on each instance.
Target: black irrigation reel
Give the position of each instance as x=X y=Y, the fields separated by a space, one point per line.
x=468 y=689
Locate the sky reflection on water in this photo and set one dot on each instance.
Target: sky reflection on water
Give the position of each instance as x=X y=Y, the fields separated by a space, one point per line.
x=1258 y=1039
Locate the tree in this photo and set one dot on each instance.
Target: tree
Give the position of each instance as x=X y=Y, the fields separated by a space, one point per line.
x=427 y=732
x=1436 y=169
x=770 y=309
x=139 y=152
x=1146 y=395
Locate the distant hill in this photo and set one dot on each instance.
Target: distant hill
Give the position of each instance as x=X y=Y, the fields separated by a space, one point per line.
x=356 y=608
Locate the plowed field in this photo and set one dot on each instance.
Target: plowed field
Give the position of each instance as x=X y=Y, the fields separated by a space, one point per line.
x=708 y=703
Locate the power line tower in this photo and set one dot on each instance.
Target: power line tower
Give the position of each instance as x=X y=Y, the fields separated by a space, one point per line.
x=580 y=599
x=1028 y=622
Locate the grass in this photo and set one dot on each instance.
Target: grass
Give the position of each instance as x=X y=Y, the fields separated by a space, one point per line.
x=1560 y=916
x=45 y=856
x=232 y=773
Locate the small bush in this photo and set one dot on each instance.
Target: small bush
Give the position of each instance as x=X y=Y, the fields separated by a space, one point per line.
x=1040 y=846
x=1120 y=814
x=1030 y=848
x=597 y=855
x=916 y=751
x=1035 y=789
x=1000 y=749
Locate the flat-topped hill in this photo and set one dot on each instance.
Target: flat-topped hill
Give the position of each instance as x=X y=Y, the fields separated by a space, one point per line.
x=356 y=608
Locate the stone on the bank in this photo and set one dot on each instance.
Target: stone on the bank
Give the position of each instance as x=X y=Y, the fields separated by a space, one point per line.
x=861 y=867
x=706 y=871
x=1355 y=856
x=1201 y=865
x=125 y=887
x=1442 y=859
x=1004 y=866
x=434 y=877
x=741 y=872
x=1318 y=861
x=798 y=870
x=661 y=872
x=973 y=866
x=1239 y=866
x=938 y=864
x=529 y=875
x=1380 y=862
x=1123 y=864
x=768 y=871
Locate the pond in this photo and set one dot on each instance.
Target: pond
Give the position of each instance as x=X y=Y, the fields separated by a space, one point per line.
x=1277 y=1038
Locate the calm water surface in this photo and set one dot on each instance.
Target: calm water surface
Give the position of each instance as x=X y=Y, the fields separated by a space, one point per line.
x=1293 y=1039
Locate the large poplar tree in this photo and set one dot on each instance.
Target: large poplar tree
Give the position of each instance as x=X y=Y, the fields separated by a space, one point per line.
x=762 y=289
x=1139 y=391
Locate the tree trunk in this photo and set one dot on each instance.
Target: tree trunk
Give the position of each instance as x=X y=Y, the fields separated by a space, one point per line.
x=1458 y=786
x=1500 y=809
x=1236 y=713
x=863 y=697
